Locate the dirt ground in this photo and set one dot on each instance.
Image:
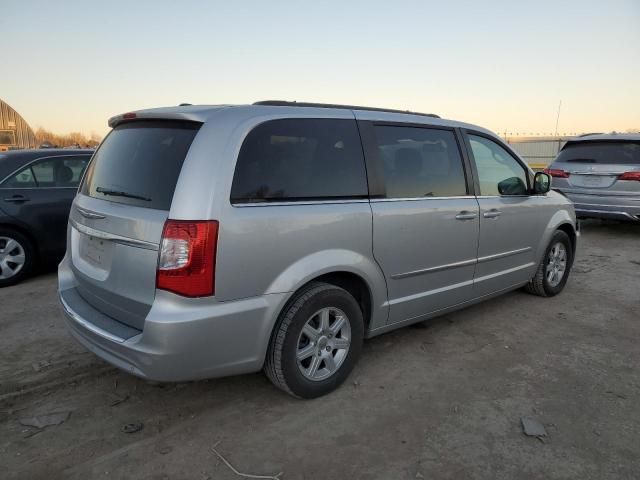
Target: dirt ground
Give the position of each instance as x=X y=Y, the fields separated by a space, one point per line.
x=442 y=402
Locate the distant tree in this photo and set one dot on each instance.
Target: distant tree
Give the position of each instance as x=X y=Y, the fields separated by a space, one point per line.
x=66 y=140
x=95 y=140
x=632 y=130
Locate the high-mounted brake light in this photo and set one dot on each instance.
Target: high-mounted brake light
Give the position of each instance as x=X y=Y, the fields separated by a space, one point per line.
x=128 y=116
x=556 y=172
x=630 y=176
x=187 y=260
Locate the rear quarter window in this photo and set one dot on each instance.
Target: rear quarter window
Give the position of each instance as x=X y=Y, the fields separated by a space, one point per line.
x=139 y=163
x=300 y=159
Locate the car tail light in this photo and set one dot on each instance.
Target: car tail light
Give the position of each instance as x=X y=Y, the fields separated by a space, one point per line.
x=556 y=172
x=630 y=176
x=187 y=260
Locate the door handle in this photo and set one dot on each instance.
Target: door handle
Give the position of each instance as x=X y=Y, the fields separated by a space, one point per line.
x=493 y=213
x=465 y=215
x=16 y=199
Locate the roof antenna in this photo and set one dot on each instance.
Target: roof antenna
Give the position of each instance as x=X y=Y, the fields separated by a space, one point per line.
x=185 y=104
x=558 y=117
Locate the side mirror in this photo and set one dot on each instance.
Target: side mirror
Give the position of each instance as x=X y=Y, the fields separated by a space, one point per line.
x=541 y=183
x=512 y=186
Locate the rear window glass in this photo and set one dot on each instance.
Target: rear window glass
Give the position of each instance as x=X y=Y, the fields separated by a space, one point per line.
x=300 y=159
x=139 y=163
x=626 y=153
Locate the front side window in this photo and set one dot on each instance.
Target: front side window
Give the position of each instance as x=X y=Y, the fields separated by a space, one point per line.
x=59 y=172
x=76 y=166
x=420 y=162
x=300 y=159
x=498 y=172
x=22 y=179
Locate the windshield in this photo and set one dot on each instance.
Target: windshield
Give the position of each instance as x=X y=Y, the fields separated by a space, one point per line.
x=608 y=152
x=139 y=163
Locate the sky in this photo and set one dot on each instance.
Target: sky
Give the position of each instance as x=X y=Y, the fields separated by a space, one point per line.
x=70 y=65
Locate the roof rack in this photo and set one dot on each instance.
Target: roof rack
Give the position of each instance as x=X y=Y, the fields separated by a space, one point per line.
x=284 y=103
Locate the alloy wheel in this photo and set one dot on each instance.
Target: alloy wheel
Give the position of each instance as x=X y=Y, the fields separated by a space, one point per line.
x=323 y=344
x=556 y=264
x=12 y=257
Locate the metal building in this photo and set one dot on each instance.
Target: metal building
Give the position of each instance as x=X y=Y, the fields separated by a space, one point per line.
x=14 y=131
x=538 y=152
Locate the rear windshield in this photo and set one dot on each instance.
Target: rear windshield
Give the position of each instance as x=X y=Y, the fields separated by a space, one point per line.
x=139 y=163
x=626 y=153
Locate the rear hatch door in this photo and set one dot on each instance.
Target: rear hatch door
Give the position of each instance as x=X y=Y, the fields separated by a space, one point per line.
x=118 y=216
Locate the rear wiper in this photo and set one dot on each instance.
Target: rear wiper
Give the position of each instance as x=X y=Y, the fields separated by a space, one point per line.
x=118 y=193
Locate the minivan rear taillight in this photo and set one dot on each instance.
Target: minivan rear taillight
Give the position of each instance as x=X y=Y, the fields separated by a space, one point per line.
x=556 y=172
x=630 y=176
x=187 y=260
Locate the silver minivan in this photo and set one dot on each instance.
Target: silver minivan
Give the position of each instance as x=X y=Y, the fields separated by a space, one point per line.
x=600 y=173
x=218 y=240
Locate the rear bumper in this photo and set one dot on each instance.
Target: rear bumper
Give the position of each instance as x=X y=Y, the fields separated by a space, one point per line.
x=606 y=206
x=183 y=339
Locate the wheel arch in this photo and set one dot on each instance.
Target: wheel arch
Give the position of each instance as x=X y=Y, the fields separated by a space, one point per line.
x=571 y=233
x=352 y=283
x=561 y=220
x=350 y=270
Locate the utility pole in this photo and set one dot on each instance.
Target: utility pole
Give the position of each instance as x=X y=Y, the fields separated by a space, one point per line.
x=558 y=117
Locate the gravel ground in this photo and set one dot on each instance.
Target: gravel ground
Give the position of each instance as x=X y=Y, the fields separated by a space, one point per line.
x=443 y=401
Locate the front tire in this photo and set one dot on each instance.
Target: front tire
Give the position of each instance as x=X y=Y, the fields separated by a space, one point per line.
x=16 y=257
x=553 y=271
x=316 y=342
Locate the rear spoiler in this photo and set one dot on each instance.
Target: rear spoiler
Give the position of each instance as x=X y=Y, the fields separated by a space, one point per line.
x=159 y=114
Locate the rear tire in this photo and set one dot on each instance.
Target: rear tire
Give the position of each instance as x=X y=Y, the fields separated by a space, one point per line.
x=554 y=268
x=316 y=342
x=17 y=257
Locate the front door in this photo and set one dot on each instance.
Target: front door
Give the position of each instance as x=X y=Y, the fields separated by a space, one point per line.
x=511 y=220
x=425 y=221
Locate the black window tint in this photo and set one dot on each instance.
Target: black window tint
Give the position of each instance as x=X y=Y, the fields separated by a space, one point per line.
x=298 y=159
x=139 y=163
x=609 y=152
x=498 y=172
x=420 y=162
